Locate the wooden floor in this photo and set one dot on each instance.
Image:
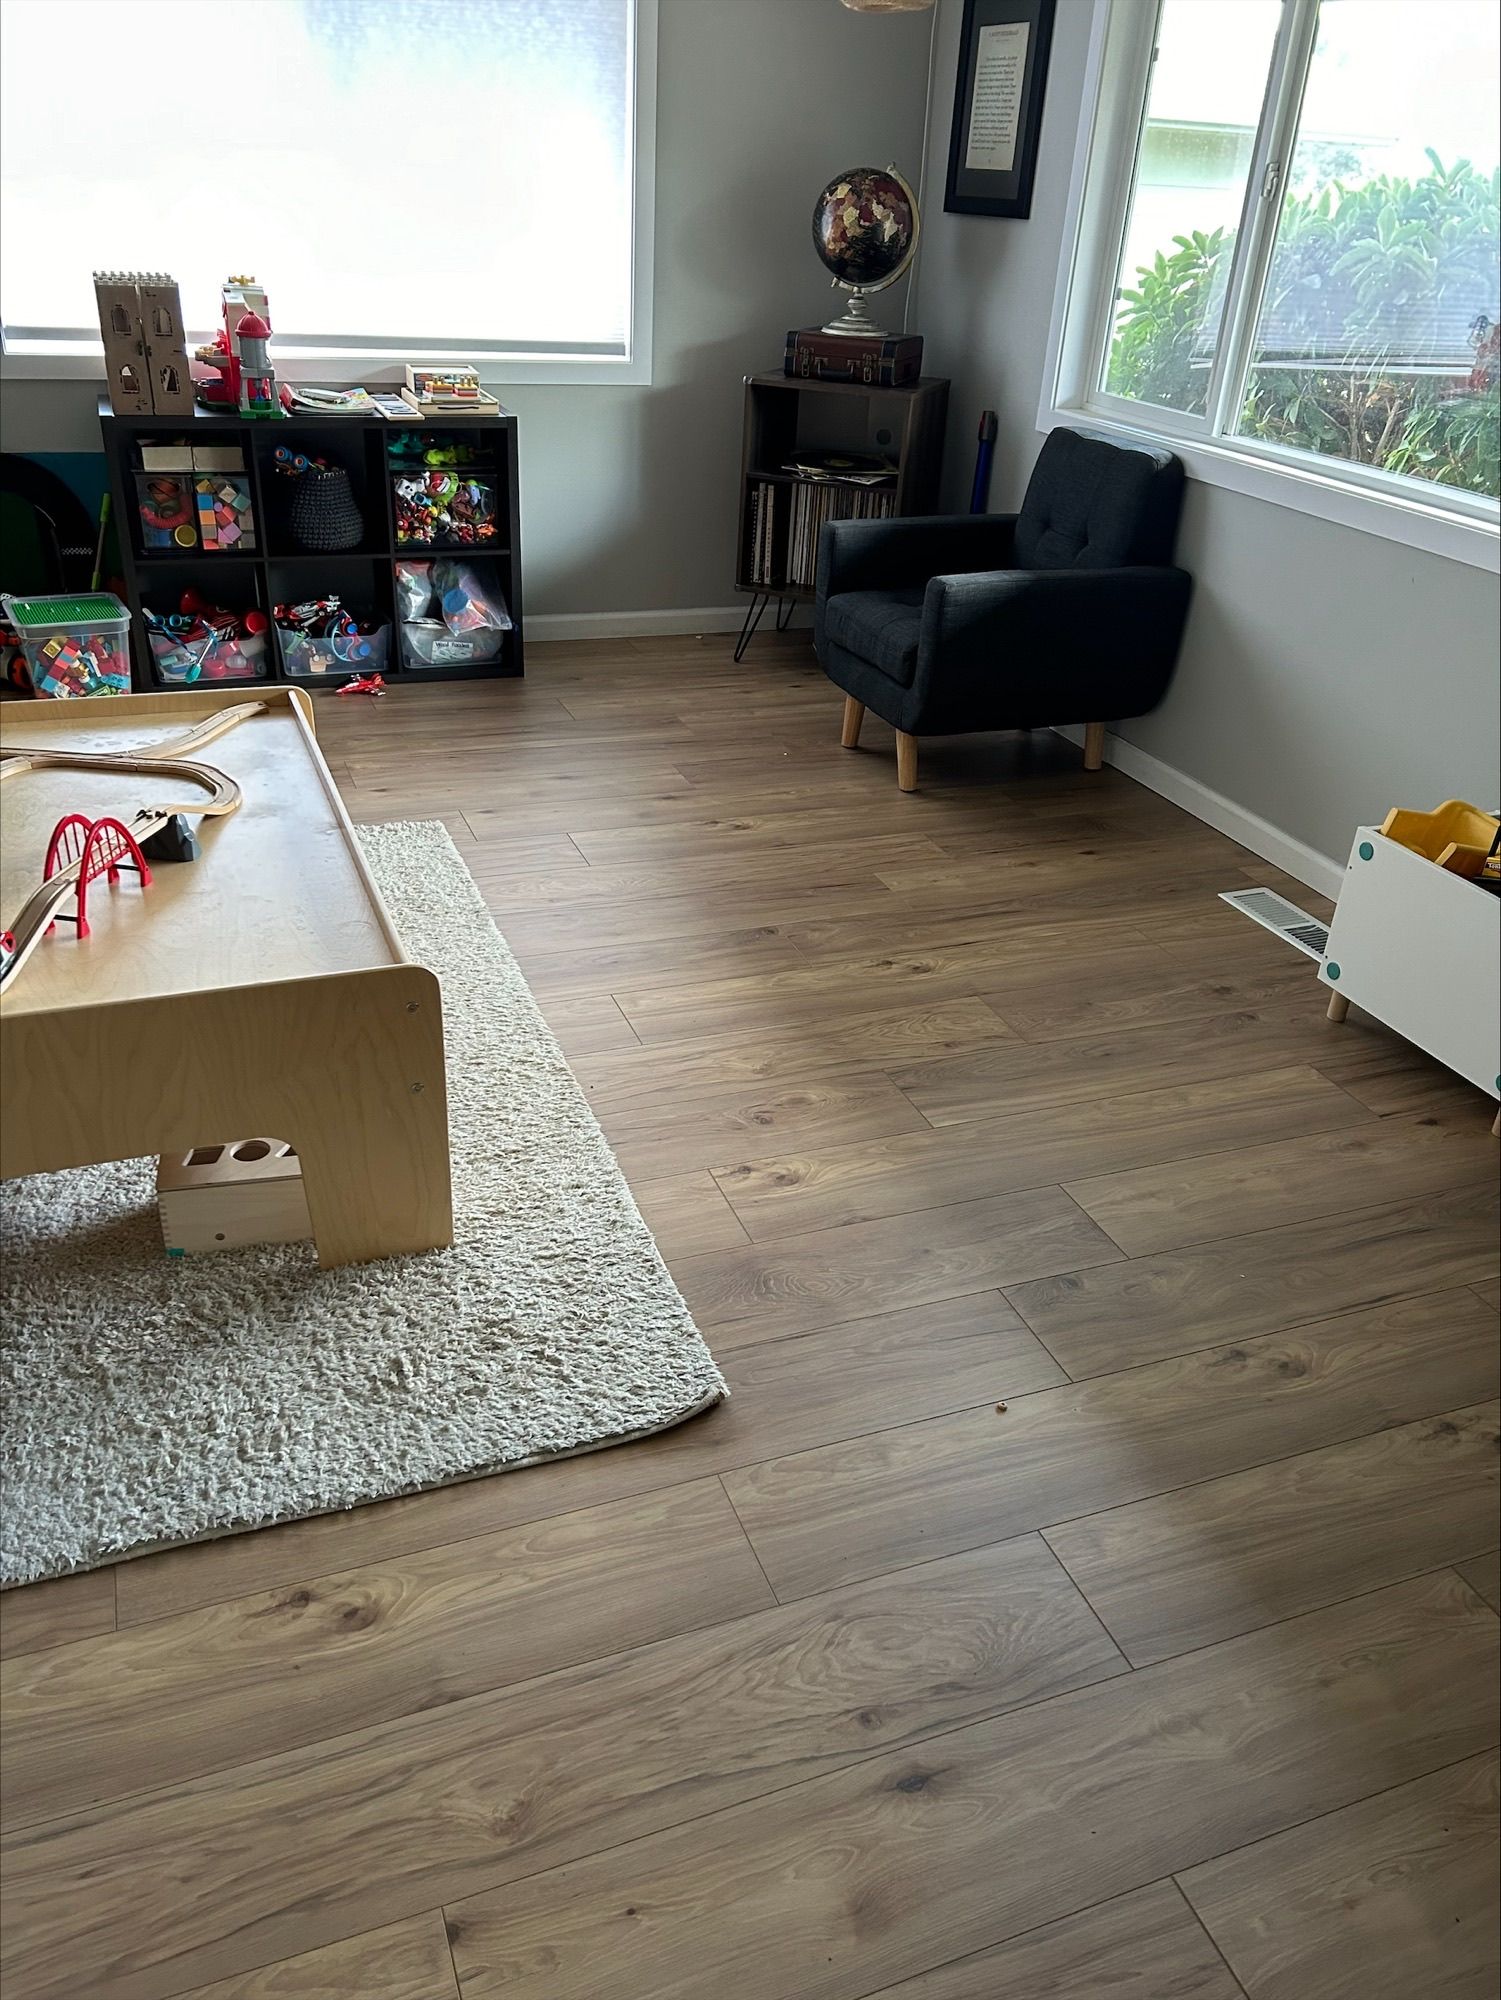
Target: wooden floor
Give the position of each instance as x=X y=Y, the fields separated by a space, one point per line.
x=1091 y=1587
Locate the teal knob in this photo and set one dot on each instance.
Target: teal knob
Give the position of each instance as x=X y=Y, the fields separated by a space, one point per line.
x=1332 y=969
x=1366 y=851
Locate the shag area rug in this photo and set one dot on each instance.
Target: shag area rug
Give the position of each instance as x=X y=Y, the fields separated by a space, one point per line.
x=151 y=1400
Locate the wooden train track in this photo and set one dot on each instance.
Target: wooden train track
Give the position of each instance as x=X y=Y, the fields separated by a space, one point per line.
x=218 y=795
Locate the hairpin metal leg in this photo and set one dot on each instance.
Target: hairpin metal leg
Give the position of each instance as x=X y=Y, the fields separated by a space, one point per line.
x=785 y=608
x=752 y=619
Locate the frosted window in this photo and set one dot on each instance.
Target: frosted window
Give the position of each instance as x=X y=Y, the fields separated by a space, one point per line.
x=436 y=174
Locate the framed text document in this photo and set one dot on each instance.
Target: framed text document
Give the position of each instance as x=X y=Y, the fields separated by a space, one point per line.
x=1003 y=66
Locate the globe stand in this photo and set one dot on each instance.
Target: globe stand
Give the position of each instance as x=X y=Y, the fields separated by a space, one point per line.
x=855 y=320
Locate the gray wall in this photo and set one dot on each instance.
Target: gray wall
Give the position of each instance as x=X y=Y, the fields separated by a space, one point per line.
x=1326 y=674
x=630 y=494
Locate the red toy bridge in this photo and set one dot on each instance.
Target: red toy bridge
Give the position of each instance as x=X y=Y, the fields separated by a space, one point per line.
x=83 y=850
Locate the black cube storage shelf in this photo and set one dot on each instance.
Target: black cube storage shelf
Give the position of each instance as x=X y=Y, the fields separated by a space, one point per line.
x=276 y=570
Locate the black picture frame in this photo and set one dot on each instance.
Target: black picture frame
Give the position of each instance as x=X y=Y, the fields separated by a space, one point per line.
x=1015 y=114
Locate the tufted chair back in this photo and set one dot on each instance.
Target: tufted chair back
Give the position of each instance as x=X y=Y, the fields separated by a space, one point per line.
x=1091 y=504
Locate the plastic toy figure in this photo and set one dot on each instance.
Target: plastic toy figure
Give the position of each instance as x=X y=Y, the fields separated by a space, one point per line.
x=244 y=306
x=257 y=377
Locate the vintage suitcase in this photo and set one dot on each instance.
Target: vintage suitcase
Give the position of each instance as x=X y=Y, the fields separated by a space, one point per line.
x=888 y=361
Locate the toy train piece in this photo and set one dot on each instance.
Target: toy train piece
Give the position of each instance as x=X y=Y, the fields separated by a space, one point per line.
x=81 y=850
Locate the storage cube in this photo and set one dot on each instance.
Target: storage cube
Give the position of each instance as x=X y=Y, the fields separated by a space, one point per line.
x=1420 y=949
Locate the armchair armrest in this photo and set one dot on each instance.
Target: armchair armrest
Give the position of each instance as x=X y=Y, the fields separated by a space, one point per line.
x=903 y=554
x=1051 y=645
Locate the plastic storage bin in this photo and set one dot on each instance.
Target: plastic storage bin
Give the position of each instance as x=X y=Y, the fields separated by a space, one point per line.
x=438 y=508
x=306 y=658
x=167 y=509
x=427 y=642
x=74 y=645
x=226 y=518
x=186 y=662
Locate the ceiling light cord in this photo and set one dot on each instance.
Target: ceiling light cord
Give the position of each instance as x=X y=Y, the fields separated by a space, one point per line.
x=922 y=170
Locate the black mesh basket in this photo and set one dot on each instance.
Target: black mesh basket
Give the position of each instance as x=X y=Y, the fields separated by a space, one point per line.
x=324 y=516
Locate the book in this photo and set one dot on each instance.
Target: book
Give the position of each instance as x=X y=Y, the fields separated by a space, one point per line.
x=329 y=402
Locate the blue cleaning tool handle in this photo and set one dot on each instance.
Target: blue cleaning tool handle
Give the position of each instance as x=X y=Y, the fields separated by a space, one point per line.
x=979 y=499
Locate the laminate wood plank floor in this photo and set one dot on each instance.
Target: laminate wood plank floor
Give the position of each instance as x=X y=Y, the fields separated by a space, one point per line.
x=1091 y=1583
x=1384 y=1900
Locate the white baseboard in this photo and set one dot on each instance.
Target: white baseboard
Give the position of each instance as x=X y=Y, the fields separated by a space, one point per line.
x=650 y=624
x=1305 y=864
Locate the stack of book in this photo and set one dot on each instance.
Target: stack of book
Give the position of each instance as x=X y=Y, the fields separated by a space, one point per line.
x=785 y=520
x=821 y=501
x=762 y=532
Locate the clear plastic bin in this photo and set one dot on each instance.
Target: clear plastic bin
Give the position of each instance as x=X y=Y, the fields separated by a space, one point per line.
x=304 y=658
x=427 y=642
x=226 y=518
x=438 y=508
x=74 y=645
x=183 y=662
x=167 y=512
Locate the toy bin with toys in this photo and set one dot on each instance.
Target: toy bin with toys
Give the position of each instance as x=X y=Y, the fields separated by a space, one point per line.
x=73 y=645
x=453 y=613
x=193 y=498
x=440 y=509
x=166 y=507
x=322 y=639
x=207 y=644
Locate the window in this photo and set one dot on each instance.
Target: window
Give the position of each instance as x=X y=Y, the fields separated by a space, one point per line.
x=1289 y=242
x=406 y=177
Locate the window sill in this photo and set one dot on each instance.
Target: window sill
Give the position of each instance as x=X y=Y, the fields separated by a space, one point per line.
x=1413 y=522
x=497 y=372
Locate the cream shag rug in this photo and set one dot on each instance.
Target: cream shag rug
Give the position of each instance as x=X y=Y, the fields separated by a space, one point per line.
x=152 y=1400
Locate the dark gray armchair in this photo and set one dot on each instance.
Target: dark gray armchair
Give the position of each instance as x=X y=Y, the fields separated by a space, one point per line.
x=1070 y=611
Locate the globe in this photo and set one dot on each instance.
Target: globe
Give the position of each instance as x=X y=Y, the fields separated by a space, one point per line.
x=865 y=231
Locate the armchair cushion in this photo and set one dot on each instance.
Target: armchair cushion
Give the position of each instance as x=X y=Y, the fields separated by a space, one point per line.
x=1023 y=649
x=882 y=627
x=1092 y=504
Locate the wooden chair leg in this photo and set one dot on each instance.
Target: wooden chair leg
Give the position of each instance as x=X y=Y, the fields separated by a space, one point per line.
x=906 y=761
x=1094 y=745
x=854 y=715
x=1339 y=1006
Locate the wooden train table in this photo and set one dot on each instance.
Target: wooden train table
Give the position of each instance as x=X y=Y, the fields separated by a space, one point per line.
x=258 y=989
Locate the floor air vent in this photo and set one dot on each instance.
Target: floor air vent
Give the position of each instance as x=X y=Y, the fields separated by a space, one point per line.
x=1275 y=913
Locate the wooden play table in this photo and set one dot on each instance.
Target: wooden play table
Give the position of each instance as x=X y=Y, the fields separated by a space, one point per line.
x=259 y=990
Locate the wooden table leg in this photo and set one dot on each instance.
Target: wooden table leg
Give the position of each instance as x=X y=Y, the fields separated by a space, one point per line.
x=1339 y=1006
x=347 y=1067
x=372 y=1131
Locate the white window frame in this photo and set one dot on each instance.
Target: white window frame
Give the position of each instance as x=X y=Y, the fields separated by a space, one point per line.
x=1462 y=526
x=56 y=360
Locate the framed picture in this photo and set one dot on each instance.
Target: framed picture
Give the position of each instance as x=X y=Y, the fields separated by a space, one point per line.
x=1003 y=68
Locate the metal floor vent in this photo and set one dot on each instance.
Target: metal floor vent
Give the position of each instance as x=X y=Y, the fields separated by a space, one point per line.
x=1275 y=913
